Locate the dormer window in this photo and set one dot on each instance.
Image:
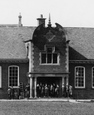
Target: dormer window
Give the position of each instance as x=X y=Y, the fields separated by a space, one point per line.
x=49 y=56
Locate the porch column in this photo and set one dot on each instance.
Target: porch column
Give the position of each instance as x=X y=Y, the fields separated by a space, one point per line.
x=31 y=80
x=31 y=66
x=62 y=86
x=64 y=81
x=67 y=86
x=67 y=81
x=35 y=85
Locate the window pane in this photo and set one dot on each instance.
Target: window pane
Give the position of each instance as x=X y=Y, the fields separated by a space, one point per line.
x=93 y=82
x=81 y=82
x=79 y=78
x=43 y=58
x=13 y=76
x=0 y=77
x=49 y=58
x=93 y=77
x=54 y=58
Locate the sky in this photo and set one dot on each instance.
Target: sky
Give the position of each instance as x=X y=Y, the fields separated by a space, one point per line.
x=68 y=13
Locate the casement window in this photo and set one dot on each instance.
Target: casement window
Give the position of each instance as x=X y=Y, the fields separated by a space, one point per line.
x=0 y=77
x=92 y=77
x=50 y=56
x=13 y=72
x=79 y=77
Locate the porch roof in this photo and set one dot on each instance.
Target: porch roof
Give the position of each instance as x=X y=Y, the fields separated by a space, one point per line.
x=52 y=74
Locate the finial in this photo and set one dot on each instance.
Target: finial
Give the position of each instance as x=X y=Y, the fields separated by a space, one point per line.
x=49 y=23
x=20 y=21
x=41 y=16
x=20 y=15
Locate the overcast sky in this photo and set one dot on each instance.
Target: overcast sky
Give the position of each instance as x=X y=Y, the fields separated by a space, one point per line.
x=68 y=13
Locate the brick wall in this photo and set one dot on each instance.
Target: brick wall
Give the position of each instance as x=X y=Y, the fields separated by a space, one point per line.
x=50 y=68
x=88 y=91
x=23 y=69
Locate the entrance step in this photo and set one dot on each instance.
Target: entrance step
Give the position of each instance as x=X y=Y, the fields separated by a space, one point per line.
x=44 y=99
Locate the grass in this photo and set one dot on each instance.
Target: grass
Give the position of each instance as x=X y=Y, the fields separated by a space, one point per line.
x=45 y=108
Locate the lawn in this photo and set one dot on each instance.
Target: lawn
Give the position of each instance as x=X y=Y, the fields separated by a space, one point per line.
x=45 y=108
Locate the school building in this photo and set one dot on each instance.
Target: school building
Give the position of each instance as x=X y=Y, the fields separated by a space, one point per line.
x=47 y=55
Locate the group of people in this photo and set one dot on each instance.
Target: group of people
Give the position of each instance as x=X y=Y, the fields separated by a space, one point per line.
x=12 y=93
x=67 y=91
x=46 y=90
x=43 y=90
x=18 y=93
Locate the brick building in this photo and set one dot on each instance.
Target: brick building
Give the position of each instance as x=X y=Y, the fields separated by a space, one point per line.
x=47 y=55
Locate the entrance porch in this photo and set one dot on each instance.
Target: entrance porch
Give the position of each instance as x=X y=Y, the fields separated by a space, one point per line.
x=49 y=85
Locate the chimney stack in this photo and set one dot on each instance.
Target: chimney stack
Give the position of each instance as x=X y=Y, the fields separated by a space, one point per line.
x=41 y=20
x=20 y=20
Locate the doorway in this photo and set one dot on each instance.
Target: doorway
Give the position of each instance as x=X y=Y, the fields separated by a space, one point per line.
x=49 y=86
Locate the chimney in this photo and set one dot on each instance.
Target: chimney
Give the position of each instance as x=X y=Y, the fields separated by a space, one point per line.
x=20 y=20
x=41 y=20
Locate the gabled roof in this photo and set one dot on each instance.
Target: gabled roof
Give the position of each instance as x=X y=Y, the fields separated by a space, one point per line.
x=12 y=39
x=81 y=41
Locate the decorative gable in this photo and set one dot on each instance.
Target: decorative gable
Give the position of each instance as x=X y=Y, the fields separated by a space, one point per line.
x=47 y=35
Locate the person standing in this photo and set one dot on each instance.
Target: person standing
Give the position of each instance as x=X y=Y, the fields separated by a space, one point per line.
x=27 y=91
x=57 y=91
x=46 y=90
x=51 y=90
x=9 y=93
x=42 y=91
x=12 y=92
x=38 y=90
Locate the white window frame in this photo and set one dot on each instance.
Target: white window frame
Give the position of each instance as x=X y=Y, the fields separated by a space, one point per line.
x=9 y=75
x=0 y=76
x=53 y=52
x=76 y=76
x=92 y=76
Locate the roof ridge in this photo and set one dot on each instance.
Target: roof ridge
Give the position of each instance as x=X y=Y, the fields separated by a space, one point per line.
x=8 y=25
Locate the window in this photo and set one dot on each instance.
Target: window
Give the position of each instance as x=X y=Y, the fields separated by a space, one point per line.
x=92 y=77
x=49 y=56
x=0 y=77
x=79 y=77
x=13 y=75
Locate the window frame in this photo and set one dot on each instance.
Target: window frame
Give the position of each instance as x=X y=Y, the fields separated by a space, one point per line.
x=83 y=77
x=9 y=75
x=1 y=77
x=53 y=52
x=92 y=77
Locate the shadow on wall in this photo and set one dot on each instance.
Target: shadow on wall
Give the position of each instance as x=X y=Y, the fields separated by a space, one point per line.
x=74 y=55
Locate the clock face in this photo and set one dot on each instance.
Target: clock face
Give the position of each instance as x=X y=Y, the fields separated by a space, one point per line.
x=50 y=36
